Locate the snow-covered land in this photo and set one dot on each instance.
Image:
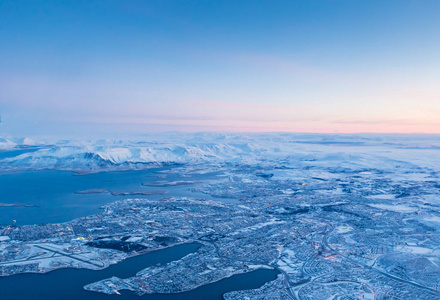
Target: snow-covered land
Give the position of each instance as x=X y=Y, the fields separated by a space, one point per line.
x=342 y=152
x=337 y=216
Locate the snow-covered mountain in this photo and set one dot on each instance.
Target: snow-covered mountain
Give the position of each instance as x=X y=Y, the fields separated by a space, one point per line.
x=335 y=151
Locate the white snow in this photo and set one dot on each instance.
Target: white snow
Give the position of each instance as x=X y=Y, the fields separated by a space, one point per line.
x=4 y=238
x=434 y=219
x=329 y=155
x=397 y=208
x=414 y=249
x=383 y=196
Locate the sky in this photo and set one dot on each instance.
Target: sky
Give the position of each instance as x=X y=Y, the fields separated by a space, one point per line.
x=109 y=66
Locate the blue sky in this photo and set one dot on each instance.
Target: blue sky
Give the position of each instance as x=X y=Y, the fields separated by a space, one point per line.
x=300 y=66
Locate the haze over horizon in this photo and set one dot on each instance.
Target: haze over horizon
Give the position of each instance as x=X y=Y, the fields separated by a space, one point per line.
x=255 y=66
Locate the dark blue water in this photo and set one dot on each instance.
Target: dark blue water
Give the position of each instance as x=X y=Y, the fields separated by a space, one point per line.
x=68 y=284
x=53 y=193
x=14 y=153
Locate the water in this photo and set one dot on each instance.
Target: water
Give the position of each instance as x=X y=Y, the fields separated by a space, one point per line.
x=68 y=283
x=53 y=192
x=14 y=153
x=53 y=195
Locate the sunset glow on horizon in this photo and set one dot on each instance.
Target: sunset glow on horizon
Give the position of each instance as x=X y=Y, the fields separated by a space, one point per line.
x=265 y=66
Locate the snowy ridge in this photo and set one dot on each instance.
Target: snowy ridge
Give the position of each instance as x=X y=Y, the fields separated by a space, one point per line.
x=340 y=152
